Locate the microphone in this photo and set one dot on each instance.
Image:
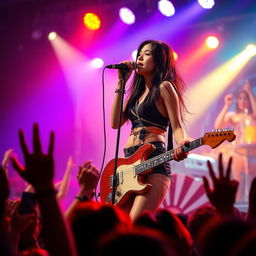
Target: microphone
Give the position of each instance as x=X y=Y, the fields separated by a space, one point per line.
x=122 y=66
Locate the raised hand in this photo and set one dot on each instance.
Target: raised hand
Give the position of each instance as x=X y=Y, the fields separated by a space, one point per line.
x=4 y=191
x=222 y=195
x=228 y=99
x=6 y=157
x=63 y=185
x=247 y=86
x=251 y=214
x=38 y=170
x=70 y=163
x=88 y=176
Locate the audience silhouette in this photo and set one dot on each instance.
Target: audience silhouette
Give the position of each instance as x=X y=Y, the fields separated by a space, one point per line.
x=88 y=227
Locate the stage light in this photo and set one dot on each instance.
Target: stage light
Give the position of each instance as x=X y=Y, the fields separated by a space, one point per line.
x=126 y=15
x=166 y=8
x=92 y=21
x=215 y=83
x=250 y=50
x=134 y=55
x=212 y=42
x=206 y=4
x=97 y=62
x=52 y=36
x=175 y=55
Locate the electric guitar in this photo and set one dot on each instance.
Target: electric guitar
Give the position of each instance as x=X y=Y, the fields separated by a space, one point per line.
x=130 y=170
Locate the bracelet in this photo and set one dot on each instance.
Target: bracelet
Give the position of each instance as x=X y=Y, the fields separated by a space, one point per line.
x=5 y=166
x=119 y=91
x=82 y=198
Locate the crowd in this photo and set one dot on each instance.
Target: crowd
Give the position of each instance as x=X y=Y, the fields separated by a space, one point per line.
x=92 y=228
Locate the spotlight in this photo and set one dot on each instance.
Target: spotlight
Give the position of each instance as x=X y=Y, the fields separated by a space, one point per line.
x=250 y=50
x=134 y=55
x=126 y=15
x=97 y=63
x=92 y=21
x=175 y=55
x=52 y=36
x=166 y=8
x=212 y=42
x=206 y=4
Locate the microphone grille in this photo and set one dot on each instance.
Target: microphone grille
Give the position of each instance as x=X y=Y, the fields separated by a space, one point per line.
x=134 y=65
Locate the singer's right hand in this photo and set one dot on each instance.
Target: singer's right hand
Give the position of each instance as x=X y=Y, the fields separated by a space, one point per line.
x=228 y=99
x=128 y=73
x=247 y=87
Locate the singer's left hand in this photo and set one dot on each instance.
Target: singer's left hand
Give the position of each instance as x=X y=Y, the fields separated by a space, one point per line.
x=179 y=154
x=128 y=73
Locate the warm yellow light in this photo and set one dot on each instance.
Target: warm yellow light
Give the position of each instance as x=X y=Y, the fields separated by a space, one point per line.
x=212 y=42
x=52 y=36
x=213 y=85
x=175 y=55
x=250 y=50
x=92 y=21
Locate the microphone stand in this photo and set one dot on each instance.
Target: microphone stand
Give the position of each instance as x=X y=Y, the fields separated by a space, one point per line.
x=123 y=72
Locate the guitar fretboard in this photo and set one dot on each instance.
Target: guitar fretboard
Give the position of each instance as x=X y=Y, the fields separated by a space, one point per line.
x=165 y=157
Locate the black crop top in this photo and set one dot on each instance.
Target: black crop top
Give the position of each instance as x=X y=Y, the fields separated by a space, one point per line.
x=145 y=115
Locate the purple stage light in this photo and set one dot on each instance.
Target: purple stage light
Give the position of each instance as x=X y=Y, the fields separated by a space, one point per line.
x=206 y=4
x=97 y=62
x=166 y=8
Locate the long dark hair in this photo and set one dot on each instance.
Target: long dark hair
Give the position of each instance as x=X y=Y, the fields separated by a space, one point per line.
x=164 y=70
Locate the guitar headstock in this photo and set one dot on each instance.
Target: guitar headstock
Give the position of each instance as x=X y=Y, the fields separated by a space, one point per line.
x=216 y=137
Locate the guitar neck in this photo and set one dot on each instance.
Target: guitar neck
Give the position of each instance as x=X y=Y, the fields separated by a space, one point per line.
x=165 y=157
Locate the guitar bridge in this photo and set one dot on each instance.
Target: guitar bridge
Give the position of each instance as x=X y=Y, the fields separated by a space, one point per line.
x=109 y=198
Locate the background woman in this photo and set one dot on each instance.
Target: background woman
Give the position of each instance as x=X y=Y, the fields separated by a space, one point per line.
x=242 y=120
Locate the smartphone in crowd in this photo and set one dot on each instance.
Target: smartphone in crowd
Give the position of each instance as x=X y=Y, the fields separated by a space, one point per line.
x=27 y=204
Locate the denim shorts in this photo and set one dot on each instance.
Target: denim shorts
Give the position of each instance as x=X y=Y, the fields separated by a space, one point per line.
x=164 y=168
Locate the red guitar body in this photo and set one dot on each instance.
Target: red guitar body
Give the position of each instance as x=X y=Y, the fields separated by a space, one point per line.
x=128 y=181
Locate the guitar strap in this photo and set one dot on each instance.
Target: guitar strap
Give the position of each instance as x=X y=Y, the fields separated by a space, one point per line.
x=156 y=128
x=170 y=141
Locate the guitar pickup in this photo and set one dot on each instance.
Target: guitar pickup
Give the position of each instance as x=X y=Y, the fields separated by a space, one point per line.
x=111 y=180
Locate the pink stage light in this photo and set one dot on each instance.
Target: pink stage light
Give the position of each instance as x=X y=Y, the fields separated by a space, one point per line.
x=212 y=42
x=52 y=35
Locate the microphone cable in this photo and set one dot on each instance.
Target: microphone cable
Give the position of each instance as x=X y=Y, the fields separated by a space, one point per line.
x=105 y=135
